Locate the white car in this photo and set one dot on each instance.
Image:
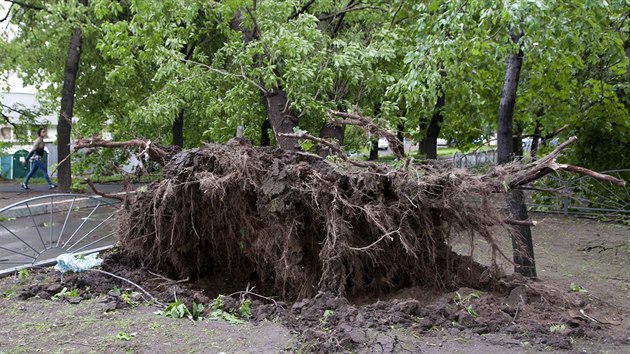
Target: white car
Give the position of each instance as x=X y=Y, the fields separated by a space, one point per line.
x=383 y=144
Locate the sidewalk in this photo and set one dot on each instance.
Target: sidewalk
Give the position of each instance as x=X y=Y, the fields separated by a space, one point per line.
x=11 y=193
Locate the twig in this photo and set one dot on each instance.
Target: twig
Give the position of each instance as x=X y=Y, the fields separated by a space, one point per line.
x=130 y=282
x=226 y=73
x=387 y=235
x=249 y=292
x=168 y=280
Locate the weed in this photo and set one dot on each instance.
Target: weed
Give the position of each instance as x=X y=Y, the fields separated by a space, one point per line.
x=574 y=288
x=218 y=313
x=23 y=274
x=326 y=316
x=556 y=328
x=128 y=298
x=123 y=336
x=65 y=293
x=154 y=325
x=178 y=309
x=471 y=311
x=246 y=308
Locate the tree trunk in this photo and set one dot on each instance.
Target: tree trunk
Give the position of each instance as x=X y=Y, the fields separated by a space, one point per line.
x=505 y=146
x=265 y=140
x=282 y=121
x=524 y=262
x=330 y=131
x=374 y=150
x=433 y=131
x=522 y=243
x=64 y=126
x=533 y=151
x=400 y=129
x=178 y=129
x=626 y=46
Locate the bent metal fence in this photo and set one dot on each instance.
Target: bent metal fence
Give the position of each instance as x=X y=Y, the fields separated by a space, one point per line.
x=35 y=231
x=582 y=195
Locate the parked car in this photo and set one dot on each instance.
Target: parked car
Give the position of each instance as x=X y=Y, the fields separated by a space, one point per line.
x=383 y=144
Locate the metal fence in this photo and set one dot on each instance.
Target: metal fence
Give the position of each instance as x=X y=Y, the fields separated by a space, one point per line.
x=35 y=231
x=485 y=157
x=566 y=193
x=571 y=194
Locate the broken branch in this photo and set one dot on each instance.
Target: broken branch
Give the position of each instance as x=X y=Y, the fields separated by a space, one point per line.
x=369 y=126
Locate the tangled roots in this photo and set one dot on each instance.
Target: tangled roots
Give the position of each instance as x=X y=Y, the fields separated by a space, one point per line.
x=297 y=224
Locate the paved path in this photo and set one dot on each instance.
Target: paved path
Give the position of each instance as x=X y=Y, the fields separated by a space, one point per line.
x=11 y=193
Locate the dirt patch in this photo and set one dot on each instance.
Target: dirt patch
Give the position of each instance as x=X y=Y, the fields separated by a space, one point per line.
x=518 y=313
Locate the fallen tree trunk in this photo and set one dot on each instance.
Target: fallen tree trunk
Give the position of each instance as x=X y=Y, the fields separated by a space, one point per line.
x=295 y=224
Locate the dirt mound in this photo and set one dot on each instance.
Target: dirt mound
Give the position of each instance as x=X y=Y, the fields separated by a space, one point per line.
x=295 y=224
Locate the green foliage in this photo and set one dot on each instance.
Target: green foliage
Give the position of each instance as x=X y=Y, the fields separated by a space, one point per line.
x=177 y=309
x=574 y=288
x=23 y=274
x=64 y=293
x=123 y=336
x=146 y=63
x=246 y=308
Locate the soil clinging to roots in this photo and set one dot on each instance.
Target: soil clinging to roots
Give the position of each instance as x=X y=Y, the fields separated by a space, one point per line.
x=295 y=224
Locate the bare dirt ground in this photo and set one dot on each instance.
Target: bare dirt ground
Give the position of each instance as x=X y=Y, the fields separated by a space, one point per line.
x=582 y=265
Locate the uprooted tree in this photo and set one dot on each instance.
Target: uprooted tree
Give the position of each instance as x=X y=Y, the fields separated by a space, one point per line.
x=295 y=223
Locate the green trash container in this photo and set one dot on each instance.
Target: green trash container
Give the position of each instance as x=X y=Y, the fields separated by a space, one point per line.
x=20 y=171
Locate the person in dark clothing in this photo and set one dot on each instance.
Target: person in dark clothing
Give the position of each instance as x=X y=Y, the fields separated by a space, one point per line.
x=36 y=155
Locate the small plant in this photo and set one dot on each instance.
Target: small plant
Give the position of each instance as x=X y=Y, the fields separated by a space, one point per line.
x=218 y=313
x=128 y=298
x=326 y=316
x=556 y=328
x=471 y=311
x=154 y=325
x=574 y=288
x=65 y=293
x=23 y=274
x=178 y=309
x=246 y=308
x=123 y=336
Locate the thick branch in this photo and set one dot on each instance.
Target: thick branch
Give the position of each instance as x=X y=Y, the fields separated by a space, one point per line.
x=367 y=124
x=518 y=175
x=155 y=152
x=105 y=195
x=332 y=146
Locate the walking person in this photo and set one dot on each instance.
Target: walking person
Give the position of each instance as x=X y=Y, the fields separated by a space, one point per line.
x=36 y=156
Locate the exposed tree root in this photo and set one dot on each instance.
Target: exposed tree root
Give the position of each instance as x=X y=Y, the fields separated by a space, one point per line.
x=296 y=224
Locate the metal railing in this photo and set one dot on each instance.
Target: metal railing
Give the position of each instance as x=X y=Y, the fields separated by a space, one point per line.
x=35 y=231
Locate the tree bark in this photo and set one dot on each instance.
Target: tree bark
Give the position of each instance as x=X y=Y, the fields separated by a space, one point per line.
x=178 y=129
x=374 y=150
x=505 y=146
x=522 y=243
x=330 y=131
x=265 y=140
x=400 y=129
x=523 y=250
x=281 y=119
x=433 y=130
x=64 y=126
